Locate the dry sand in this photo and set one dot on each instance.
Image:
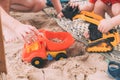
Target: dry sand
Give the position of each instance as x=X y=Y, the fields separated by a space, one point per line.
x=79 y=65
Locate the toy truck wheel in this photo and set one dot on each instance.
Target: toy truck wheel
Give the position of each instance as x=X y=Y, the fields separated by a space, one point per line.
x=60 y=56
x=37 y=62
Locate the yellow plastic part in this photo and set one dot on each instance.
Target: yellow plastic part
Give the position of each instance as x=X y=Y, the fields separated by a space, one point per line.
x=54 y=53
x=89 y=17
x=117 y=39
x=99 y=48
x=32 y=47
x=37 y=62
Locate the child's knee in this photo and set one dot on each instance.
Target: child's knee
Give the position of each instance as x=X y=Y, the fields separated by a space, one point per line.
x=116 y=9
x=39 y=5
x=100 y=5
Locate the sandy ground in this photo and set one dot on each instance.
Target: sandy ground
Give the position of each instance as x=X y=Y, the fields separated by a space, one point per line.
x=79 y=65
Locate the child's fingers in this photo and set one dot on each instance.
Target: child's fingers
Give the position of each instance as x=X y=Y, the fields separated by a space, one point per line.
x=102 y=29
x=76 y=4
x=35 y=31
x=32 y=35
x=28 y=34
x=86 y=35
x=72 y=5
x=60 y=15
x=21 y=36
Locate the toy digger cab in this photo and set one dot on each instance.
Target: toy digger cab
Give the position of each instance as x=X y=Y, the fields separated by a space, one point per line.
x=98 y=42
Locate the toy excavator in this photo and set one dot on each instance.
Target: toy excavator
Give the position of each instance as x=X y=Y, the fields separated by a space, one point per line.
x=98 y=42
x=46 y=47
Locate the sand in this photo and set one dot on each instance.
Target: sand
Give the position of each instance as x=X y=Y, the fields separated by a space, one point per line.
x=78 y=66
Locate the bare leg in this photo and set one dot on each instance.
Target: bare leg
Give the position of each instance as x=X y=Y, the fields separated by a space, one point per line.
x=100 y=8
x=5 y=4
x=116 y=9
x=28 y=5
x=107 y=24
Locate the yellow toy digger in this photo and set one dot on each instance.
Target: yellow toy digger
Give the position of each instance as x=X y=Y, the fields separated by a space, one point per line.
x=98 y=42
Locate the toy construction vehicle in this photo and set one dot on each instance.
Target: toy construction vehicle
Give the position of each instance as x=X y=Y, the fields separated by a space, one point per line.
x=98 y=42
x=46 y=48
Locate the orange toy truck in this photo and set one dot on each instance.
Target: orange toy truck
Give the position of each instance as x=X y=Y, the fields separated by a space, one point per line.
x=46 y=48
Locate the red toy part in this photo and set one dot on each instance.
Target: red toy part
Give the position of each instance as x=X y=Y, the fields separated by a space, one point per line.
x=66 y=40
x=32 y=50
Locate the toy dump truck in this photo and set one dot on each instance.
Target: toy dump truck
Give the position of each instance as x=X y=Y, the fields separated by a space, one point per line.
x=45 y=48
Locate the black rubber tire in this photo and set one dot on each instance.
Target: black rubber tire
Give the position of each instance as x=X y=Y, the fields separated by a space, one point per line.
x=60 y=55
x=40 y=60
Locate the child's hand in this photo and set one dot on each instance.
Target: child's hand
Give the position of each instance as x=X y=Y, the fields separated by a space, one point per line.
x=82 y=5
x=105 y=25
x=26 y=31
x=74 y=3
x=60 y=15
